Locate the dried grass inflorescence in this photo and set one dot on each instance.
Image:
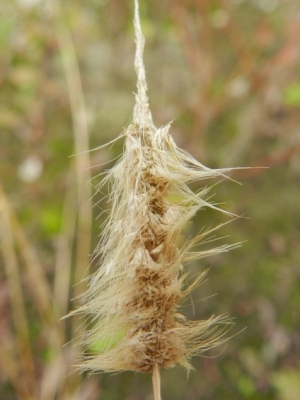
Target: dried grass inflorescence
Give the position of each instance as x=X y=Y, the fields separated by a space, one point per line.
x=134 y=297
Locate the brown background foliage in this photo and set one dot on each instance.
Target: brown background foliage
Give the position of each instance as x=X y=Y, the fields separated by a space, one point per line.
x=227 y=73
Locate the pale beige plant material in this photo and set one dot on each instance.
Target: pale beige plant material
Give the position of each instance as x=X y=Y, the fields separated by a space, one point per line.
x=134 y=297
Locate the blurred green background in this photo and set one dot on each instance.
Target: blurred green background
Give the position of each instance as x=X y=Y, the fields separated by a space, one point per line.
x=228 y=73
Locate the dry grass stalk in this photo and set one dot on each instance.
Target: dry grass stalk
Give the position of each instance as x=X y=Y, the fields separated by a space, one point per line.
x=11 y=264
x=134 y=297
x=82 y=173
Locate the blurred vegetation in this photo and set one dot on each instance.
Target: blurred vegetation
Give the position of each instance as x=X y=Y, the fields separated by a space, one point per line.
x=228 y=73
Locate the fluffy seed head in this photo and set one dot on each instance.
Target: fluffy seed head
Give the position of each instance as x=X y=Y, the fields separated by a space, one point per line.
x=134 y=296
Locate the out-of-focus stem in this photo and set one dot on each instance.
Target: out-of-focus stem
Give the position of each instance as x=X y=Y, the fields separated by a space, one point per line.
x=17 y=301
x=82 y=163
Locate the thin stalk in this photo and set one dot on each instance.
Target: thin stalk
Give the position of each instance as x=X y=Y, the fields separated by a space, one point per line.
x=82 y=163
x=17 y=301
x=39 y=285
x=62 y=275
x=81 y=144
x=156 y=382
x=10 y=363
x=54 y=375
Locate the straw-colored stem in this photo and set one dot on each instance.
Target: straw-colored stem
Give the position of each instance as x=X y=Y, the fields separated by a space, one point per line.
x=81 y=145
x=82 y=162
x=62 y=275
x=19 y=316
x=156 y=382
x=35 y=274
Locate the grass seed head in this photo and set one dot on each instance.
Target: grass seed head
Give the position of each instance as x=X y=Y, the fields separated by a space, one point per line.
x=134 y=297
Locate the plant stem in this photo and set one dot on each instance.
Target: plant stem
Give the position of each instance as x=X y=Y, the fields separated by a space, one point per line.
x=156 y=382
